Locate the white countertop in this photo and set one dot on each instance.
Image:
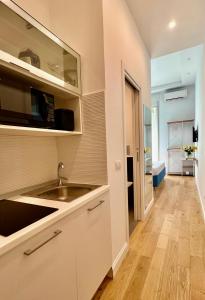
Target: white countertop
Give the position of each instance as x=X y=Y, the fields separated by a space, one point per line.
x=64 y=209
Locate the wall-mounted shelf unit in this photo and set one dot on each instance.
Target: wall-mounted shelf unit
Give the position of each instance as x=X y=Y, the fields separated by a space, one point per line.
x=34 y=57
x=27 y=77
x=28 y=131
x=29 y=46
x=19 y=91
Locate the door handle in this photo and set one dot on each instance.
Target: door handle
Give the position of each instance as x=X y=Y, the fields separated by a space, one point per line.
x=138 y=156
x=30 y=251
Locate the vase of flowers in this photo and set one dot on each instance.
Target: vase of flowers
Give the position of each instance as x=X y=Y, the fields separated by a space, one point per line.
x=189 y=150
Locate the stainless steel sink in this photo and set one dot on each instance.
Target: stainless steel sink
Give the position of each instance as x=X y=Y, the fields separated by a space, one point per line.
x=67 y=192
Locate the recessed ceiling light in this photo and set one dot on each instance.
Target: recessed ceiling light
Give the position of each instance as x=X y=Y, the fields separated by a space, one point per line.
x=172 y=24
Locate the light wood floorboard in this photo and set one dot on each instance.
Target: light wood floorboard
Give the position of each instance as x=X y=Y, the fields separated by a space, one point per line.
x=166 y=257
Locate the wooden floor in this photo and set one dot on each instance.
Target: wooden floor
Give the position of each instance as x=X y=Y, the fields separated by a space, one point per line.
x=166 y=258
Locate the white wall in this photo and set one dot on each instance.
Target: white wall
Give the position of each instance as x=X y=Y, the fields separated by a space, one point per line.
x=183 y=109
x=39 y=9
x=122 y=43
x=200 y=123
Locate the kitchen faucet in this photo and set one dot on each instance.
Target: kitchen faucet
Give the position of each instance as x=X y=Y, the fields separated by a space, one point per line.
x=61 y=178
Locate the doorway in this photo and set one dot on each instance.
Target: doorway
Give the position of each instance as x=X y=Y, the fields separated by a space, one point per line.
x=132 y=143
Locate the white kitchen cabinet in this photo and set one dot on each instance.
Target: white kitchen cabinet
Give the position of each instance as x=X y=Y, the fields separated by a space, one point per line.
x=48 y=273
x=69 y=261
x=32 y=55
x=94 y=246
x=30 y=48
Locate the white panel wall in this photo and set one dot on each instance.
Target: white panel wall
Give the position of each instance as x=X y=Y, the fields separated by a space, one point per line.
x=122 y=43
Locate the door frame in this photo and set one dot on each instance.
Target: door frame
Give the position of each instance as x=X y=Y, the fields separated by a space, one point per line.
x=140 y=205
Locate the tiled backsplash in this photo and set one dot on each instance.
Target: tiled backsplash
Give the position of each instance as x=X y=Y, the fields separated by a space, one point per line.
x=26 y=161
x=85 y=156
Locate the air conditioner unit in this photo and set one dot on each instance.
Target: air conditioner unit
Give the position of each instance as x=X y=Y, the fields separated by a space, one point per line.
x=175 y=94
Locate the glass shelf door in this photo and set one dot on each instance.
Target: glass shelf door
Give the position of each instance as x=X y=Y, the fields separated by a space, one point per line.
x=26 y=43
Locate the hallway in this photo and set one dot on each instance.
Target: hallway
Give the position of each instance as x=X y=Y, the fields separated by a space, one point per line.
x=166 y=259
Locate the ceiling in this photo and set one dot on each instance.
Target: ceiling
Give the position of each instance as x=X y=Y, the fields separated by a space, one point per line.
x=152 y=18
x=176 y=69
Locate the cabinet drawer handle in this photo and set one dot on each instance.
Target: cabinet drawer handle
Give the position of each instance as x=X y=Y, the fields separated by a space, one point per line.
x=101 y=202
x=30 y=251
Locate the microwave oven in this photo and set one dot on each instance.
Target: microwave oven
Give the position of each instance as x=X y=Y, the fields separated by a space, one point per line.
x=22 y=105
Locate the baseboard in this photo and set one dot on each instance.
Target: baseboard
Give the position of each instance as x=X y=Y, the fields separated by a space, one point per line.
x=201 y=200
x=149 y=207
x=119 y=259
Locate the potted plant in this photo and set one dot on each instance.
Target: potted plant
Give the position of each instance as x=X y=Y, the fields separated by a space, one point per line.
x=189 y=150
